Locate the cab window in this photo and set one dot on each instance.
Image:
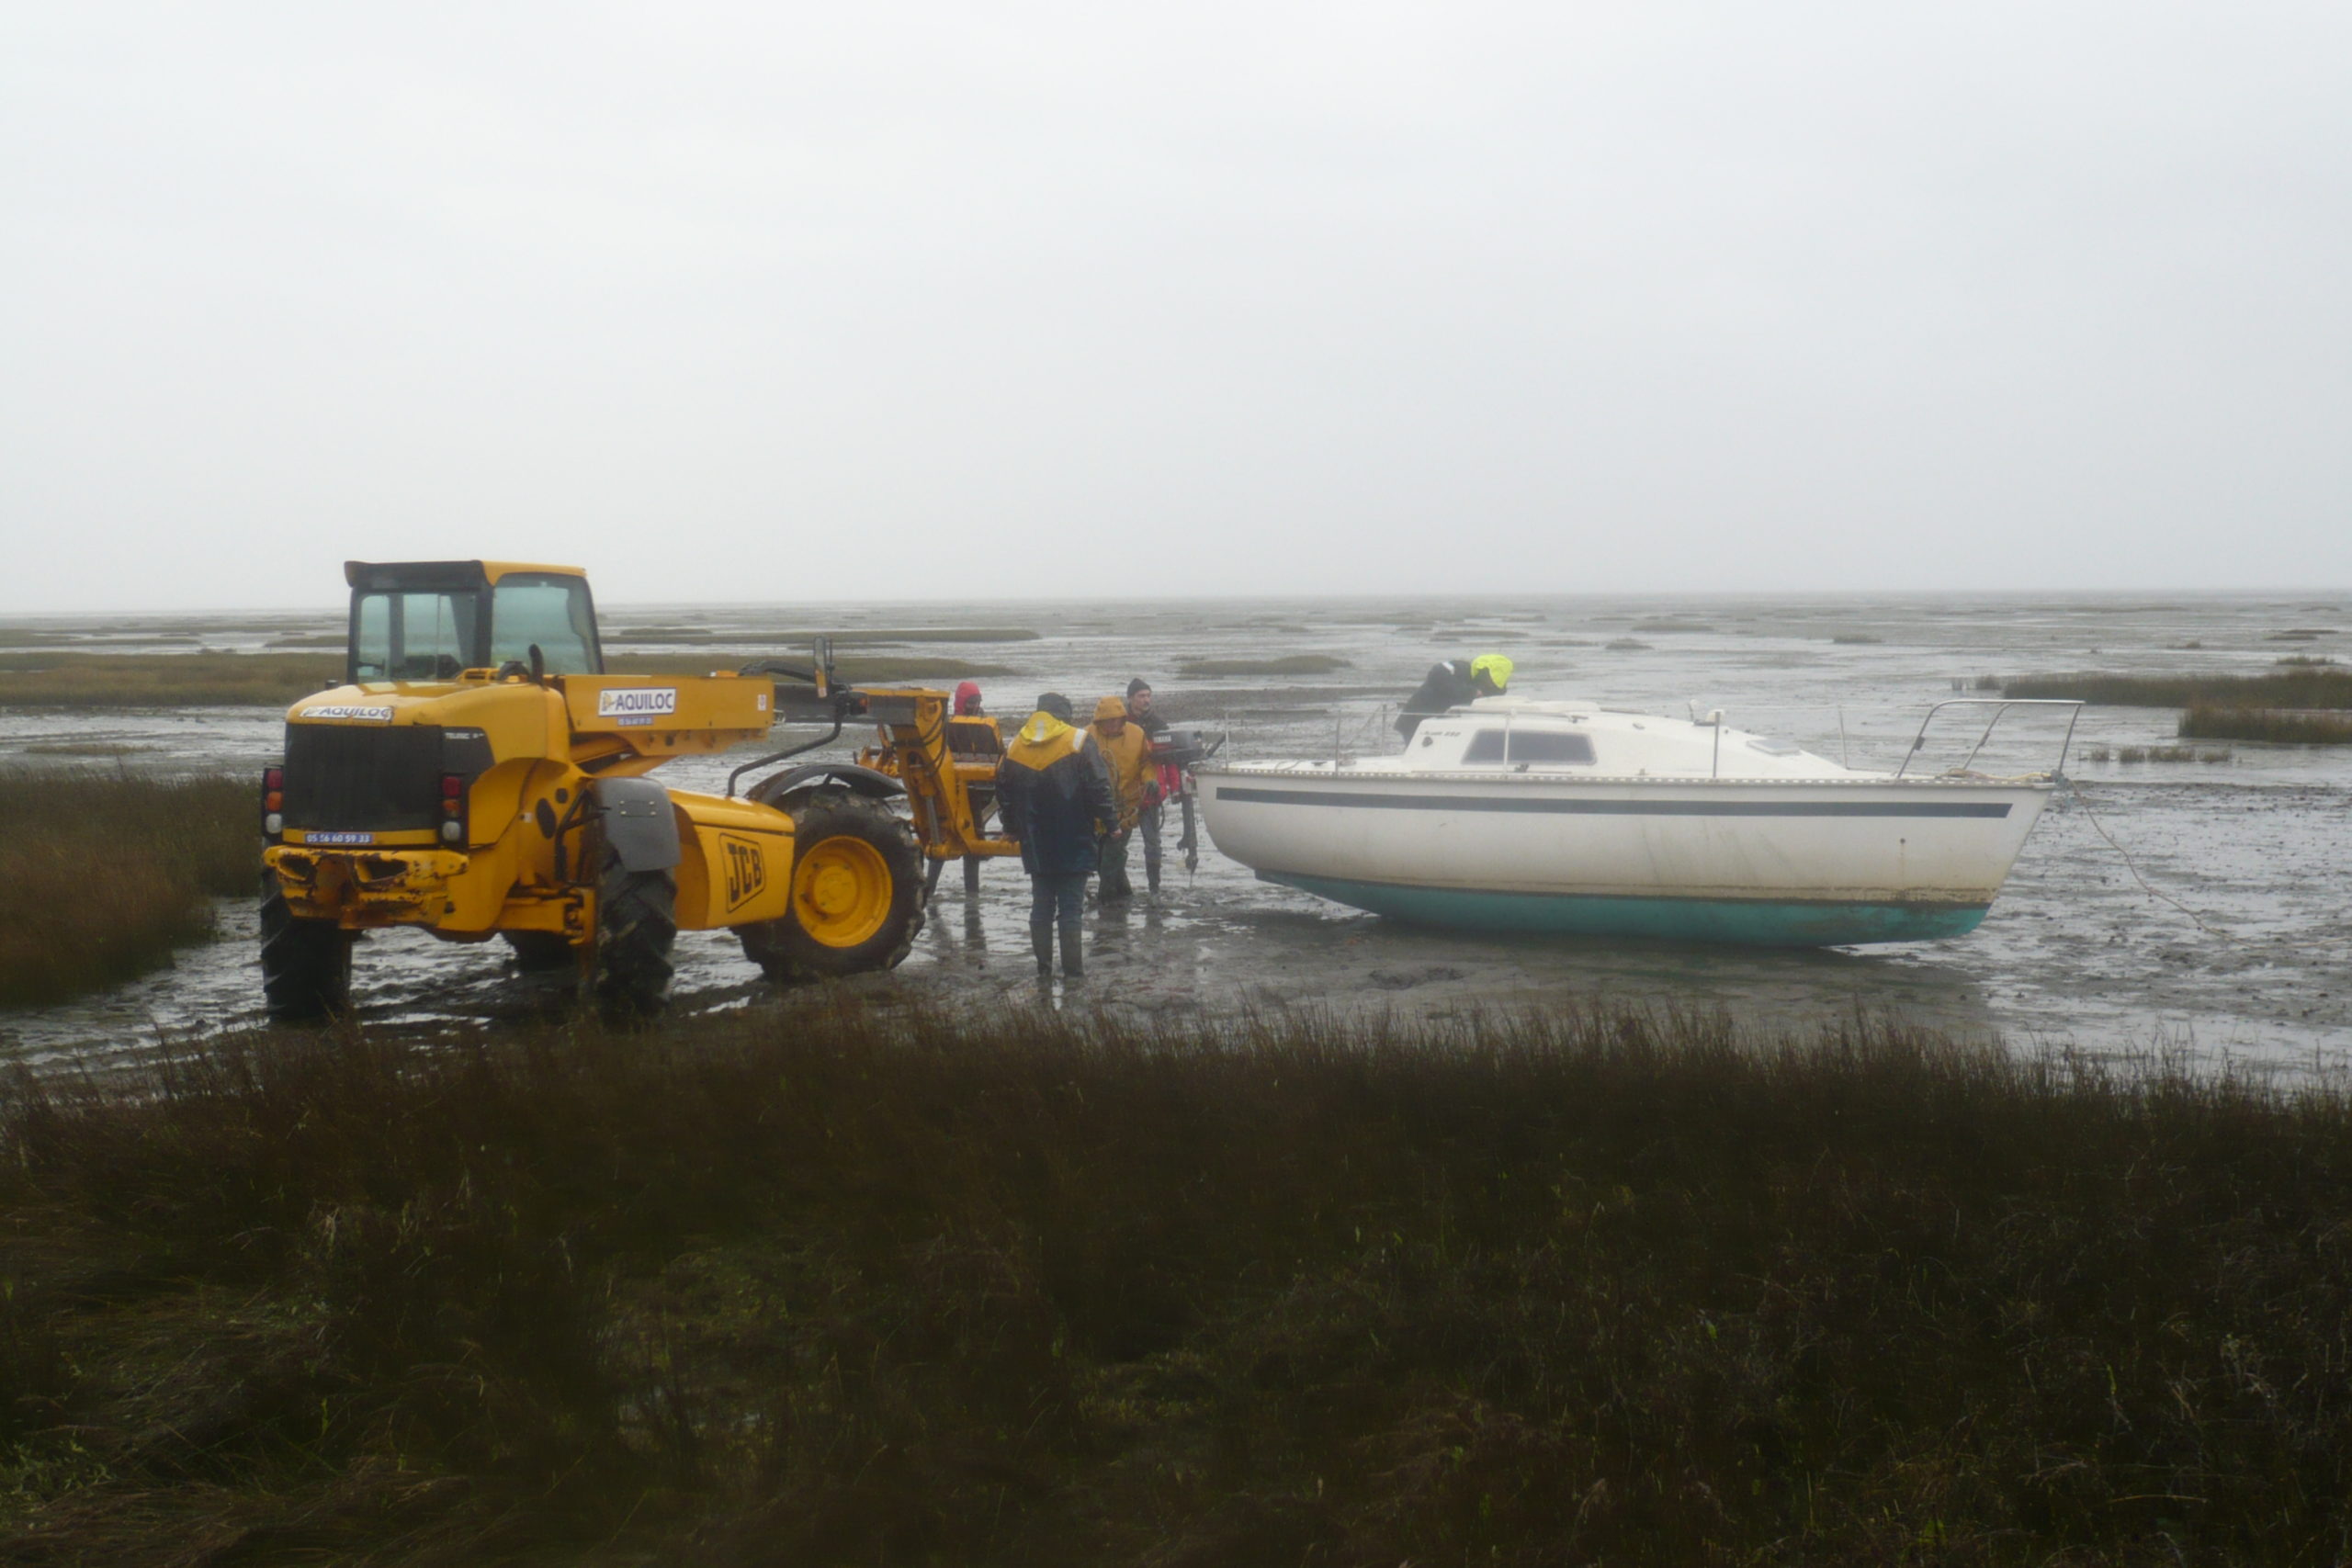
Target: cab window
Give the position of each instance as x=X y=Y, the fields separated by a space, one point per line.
x=553 y=612
x=412 y=636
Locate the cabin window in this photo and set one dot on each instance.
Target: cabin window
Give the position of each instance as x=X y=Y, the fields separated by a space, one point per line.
x=1520 y=747
x=1552 y=746
x=547 y=611
x=412 y=636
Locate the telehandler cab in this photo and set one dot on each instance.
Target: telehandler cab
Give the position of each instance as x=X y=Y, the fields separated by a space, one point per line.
x=480 y=775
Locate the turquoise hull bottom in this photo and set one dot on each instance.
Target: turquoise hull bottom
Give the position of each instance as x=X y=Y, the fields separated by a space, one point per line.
x=1760 y=922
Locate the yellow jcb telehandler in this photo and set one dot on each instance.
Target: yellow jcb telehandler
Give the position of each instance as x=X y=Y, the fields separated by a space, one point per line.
x=478 y=774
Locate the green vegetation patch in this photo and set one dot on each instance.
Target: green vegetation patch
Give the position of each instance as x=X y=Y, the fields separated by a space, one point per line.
x=815 y=1283
x=863 y=636
x=2155 y=754
x=1288 y=664
x=2283 y=727
x=2293 y=687
x=106 y=873
x=162 y=679
x=867 y=669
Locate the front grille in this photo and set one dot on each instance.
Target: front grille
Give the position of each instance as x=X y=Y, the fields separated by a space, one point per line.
x=379 y=779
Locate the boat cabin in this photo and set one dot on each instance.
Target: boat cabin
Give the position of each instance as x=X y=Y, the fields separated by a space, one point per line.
x=1519 y=735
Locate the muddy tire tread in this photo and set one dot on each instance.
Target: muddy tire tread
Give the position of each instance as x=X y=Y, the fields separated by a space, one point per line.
x=786 y=953
x=637 y=926
x=305 y=964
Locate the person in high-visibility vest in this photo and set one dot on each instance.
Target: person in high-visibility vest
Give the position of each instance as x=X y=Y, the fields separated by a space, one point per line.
x=1451 y=685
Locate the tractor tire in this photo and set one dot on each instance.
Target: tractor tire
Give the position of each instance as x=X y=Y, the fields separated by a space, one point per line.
x=305 y=964
x=858 y=892
x=541 y=952
x=637 y=924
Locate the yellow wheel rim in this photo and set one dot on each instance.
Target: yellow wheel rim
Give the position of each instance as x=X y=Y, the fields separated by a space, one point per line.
x=841 y=891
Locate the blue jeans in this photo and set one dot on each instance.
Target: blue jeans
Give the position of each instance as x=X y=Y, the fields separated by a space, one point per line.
x=1057 y=899
x=1150 y=828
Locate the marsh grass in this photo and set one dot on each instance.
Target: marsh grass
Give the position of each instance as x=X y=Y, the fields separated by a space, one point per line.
x=105 y=873
x=87 y=749
x=2155 y=753
x=2295 y=687
x=162 y=679
x=871 y=669
x=861 y=637
x=276 y=680
x=832 y=1286
x=1286 y=664
x=2283 y=727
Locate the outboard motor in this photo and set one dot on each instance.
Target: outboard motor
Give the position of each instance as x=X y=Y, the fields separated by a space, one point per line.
x=1183 y=750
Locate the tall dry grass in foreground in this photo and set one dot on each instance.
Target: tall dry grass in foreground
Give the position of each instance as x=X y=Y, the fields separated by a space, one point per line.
x=103 y=873
x=815 y=1287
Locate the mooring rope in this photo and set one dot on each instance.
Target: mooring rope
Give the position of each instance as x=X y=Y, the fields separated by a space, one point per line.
x=2145 y=886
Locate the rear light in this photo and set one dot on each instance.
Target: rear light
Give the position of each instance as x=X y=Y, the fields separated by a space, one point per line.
x=453 y=809
x=273 y=779
x=272 y=802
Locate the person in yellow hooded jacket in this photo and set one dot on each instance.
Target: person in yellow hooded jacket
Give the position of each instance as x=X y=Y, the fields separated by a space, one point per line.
x=1054 y=793
x=1124 y=747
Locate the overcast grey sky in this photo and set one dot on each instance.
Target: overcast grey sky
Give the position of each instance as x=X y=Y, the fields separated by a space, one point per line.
x=894 y=301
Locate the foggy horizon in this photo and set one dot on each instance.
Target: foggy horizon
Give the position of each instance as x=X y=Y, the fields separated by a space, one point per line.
x=1053 y=304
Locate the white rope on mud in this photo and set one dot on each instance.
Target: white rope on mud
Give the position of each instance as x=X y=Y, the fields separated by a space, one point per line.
x=2145 y=886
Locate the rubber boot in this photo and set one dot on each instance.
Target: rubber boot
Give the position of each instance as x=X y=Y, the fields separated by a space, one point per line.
x=1073 y=961
x=1041 y=942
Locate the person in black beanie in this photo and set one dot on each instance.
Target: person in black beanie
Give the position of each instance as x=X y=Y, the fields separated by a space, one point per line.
x=1158 y=785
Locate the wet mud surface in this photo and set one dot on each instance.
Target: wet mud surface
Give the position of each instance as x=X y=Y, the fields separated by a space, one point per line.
x=2226 y=935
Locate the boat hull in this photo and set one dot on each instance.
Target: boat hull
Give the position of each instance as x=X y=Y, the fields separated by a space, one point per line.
x=1809 y=864
x=1751 y=922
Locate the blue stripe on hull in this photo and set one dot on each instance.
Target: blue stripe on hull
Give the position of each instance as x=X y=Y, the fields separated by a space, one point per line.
x=1577 y=805
x=1759 y=922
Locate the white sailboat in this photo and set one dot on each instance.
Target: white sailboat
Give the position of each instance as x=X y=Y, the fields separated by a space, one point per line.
x=1522 y=814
